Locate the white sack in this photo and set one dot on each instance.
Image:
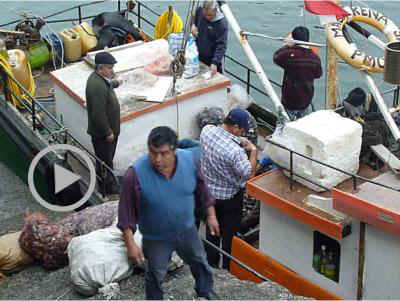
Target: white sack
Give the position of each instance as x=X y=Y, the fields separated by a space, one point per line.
x=99 y=258
x=238 y=97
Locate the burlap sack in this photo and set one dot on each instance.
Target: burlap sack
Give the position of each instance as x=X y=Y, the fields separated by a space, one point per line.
x=45 y=241
x=90 y=219
x=12 y=256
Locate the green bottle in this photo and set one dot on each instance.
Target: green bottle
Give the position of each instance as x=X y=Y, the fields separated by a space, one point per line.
x=316 y=262
x=324 y=260
x=330 y=268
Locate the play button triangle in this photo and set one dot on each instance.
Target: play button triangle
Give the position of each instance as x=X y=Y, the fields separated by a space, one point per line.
x=63 y=178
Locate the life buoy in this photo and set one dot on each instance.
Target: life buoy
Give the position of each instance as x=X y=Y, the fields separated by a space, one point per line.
x=349 y=52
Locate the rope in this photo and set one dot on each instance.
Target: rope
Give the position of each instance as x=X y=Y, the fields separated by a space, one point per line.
x=16 y=94
x=50 y=42
x=178 y=63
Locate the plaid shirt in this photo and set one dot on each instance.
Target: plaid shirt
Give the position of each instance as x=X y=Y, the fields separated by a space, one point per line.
x=224 y=163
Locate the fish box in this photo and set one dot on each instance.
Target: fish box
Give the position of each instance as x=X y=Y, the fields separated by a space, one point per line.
x=324 y=136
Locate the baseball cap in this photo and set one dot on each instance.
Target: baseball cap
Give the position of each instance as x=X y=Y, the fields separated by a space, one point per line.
x=240 y=117
x=356 y=97
x=104 y=58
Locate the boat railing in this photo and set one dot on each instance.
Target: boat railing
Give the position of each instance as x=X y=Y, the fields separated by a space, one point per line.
x=78 y=8
x=56 y=132
x=141 y=13
x=356 y=179
x=228 y=60
x=247 y=80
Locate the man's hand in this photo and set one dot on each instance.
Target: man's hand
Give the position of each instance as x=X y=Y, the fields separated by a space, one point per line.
x=110 y=138
x=135 y=254
x=213 y=69
x=213 y=225
x=247 y=145
x=195 y=31
x=287 y=39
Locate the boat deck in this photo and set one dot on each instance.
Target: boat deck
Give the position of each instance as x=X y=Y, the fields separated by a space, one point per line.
x=273 y=188
x=373 y=204
x=70 y=79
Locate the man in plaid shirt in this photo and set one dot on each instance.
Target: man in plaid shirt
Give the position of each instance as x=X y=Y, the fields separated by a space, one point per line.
x=226 y=168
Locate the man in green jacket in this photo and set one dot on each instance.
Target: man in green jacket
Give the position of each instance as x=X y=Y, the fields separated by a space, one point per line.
x=104 y=117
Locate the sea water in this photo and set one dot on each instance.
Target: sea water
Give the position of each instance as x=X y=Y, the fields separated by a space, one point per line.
x=272 y=18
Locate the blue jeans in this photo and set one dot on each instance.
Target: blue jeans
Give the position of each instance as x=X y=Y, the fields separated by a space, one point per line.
x=190 y=248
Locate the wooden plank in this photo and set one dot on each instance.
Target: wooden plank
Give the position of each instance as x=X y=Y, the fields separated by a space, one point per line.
x=274 y=271
x=386 y=156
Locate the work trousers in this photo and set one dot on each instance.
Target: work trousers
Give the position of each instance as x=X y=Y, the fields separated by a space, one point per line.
x=229 y=215
x=105 y=151
x=190 y=248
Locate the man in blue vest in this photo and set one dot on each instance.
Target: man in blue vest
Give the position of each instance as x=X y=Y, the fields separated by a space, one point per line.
x=159 y=194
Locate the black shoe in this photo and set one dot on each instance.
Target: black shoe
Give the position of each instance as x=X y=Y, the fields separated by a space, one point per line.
x=210 y=296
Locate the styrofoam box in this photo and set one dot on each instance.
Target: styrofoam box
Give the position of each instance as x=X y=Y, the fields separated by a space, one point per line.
x=325 y=136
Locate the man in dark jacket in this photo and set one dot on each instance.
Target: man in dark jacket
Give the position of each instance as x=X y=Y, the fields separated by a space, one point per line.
x=104 y=116
x=301 y=66
x=211 y=31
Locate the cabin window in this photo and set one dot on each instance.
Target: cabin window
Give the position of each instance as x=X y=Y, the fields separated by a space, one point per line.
x=326 y=256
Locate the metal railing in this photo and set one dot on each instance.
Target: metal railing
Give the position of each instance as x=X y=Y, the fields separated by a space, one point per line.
x=293 y=153
x=247 y=80
x=57 y=133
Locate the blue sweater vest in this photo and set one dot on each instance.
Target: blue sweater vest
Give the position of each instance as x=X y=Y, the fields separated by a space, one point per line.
x=166 y=206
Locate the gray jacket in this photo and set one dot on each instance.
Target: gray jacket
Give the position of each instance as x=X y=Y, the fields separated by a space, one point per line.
x=102 y=107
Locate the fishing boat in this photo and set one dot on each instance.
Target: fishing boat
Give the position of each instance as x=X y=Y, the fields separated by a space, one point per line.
x=303 y=233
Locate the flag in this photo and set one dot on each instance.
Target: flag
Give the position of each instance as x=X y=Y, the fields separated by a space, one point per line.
x=325 y=8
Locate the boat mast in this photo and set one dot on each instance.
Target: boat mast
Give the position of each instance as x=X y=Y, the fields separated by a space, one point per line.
x=253 y=60
x=331 y=79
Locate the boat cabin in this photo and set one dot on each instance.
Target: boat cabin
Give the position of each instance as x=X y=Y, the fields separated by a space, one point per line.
x=142 y=106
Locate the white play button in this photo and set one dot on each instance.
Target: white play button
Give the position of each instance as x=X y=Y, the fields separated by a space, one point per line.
x=63 y=178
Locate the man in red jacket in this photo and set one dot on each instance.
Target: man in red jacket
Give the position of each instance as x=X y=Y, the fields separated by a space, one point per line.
x=301 y=66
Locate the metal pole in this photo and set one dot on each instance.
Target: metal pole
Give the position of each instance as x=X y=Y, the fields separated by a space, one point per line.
x=80 y=14
x=254 y=61
x=382 y=106
x=262 y=277
x=33 y=115
x=298 y=42
x=396 y=97
x=138 y=15
x=291 y=171
x=367 y=34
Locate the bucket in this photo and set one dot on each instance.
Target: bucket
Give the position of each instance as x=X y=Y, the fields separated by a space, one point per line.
x=88 y=38
x=392 y=63
x=19 y=66
x=38 y=54
x=72 y=45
